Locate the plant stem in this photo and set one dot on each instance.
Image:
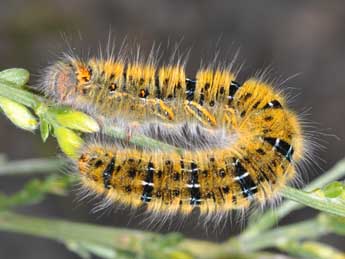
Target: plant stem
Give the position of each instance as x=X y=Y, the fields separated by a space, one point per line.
x=268 y=219
x=309 y=229
x=135 y=241
x=116 y=238
x=31 y=166
x=314 y=201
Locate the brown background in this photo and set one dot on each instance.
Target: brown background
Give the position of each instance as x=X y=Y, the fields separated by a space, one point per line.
x=291 y=37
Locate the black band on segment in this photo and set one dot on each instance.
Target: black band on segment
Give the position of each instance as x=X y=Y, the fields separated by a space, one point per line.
x=194 y=185
x=190 y=89
x=108 y=173
x=273 y=104
x=234 y=86
x=282 y=147
x=148 y=184
x=245 y=180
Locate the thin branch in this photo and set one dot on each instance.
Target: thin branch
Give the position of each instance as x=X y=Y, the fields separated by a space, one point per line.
x=262 y=222
x=31 y=166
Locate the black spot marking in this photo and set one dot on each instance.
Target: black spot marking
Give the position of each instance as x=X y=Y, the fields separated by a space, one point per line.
x=222 y=90
x=108 y=172
x=247 y=96
x=207 y=86
x=112 y=87
x=143 y=93
x=128 y=188
x=212 y=103
x=176 y=176
x=98 y=163
x=176 y=193
x=182 y=165
x=141 y=81
x=226 y=189
x=256 y=105
x=243 y=113
x=260 y=151
x=202 y=98
x=131 y=173
x=158 y=92
x=268 y=118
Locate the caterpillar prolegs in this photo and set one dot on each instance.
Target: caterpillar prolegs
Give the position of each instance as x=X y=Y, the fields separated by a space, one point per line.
x=240 y=141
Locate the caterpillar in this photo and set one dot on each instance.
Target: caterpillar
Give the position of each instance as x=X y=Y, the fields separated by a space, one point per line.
x=241 y=143
x=163 y=93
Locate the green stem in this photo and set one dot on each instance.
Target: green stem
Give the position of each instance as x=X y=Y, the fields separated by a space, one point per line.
x=313 y=249
x=30 y=166
x=309 y=229
x=314 y=201
x=137 y=242
x=116 y=238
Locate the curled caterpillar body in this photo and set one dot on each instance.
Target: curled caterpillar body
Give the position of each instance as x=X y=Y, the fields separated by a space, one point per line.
x=253 y=163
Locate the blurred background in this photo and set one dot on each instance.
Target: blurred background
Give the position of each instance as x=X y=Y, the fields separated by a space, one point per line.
x=301 y=40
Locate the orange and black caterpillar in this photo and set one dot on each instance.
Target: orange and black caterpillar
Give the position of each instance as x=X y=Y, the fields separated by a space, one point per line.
x=240 y=141
x=145 y=91
x=257 y=159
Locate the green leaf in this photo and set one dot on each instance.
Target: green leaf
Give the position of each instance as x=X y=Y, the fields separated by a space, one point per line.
x=18 y=114
x=18 y=76
x=44 y=129
x=75 y=120
x=69 y=141
x=333 y=190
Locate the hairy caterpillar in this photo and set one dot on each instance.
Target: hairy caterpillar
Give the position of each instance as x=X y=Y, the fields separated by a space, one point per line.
x=241 y=143
x=163 y=93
